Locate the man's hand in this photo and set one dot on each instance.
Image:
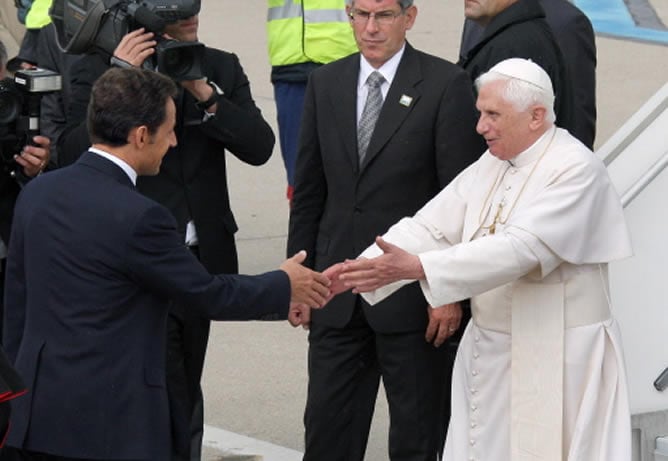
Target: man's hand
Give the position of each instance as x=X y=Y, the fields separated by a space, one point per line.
x=337 y=285
x=201 y=91
x=307 y=286
x=299 y=314
x=443 y=322
x=135 y=47
x=34 y=159
x=394 y=264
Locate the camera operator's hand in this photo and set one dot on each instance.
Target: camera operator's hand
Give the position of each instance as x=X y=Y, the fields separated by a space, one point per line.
x=135 y=47
x=202 y=91
x=34 y=159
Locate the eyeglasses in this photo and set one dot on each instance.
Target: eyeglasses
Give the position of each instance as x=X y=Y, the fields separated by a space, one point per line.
x=382 y=18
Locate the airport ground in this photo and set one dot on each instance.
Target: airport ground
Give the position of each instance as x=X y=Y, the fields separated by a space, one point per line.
x=255 y=377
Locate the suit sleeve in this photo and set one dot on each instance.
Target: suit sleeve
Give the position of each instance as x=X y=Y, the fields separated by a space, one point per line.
x=310 y=183
x=239 y=124
x=160 y=262
x=457 y=143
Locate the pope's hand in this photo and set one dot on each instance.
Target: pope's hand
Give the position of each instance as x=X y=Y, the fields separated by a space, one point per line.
x=443 y=322
x=364 y=275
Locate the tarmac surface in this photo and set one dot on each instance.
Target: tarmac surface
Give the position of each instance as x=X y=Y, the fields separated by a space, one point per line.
x=255 y=377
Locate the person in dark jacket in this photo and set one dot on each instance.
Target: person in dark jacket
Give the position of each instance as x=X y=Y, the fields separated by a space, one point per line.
x=518 y=29
x=102 y=263
x=575 y=35
x=214 y=114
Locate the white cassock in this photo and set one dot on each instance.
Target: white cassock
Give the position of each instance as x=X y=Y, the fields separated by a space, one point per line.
x=539 y=373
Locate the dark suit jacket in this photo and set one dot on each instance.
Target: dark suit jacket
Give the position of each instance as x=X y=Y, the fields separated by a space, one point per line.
x=91 y=267
x=520 y=31
x=416 y=149
x=192 y=182
x=575 y=36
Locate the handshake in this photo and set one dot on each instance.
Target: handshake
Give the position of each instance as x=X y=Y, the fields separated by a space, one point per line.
x=314 y=290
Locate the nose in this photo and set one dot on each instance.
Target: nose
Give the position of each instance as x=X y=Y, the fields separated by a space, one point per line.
x=371 y=24
x=172 y=141
x=481 y=126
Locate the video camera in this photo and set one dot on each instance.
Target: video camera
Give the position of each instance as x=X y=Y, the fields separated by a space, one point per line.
x=85 y=24
x=20 y=108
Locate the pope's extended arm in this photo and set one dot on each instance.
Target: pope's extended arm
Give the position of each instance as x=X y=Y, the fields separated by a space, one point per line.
x=451 y=273
x=393 y=265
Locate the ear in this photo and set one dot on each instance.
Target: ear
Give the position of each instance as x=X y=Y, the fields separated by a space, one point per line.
x=411 y=14
x=537 y=117
x=139 y=136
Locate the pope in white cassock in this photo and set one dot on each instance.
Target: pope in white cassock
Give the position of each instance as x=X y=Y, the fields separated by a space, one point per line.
x=526 y=232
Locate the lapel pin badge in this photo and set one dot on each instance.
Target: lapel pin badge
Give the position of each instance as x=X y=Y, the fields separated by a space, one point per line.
x=405 y=100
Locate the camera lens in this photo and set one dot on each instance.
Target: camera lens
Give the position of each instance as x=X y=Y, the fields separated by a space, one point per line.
x=176 y=61
x=180 y=60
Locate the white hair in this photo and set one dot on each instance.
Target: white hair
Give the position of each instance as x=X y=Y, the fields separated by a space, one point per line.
x=520 y=93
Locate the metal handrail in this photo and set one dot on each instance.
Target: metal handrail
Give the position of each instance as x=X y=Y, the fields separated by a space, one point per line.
x=635 y=132
x=645 y=180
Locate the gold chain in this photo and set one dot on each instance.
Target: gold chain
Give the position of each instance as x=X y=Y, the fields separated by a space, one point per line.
x=497 y=216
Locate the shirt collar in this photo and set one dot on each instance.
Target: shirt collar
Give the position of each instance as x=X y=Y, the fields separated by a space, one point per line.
x=388 y=69
x=532 y=154
x=132 y=174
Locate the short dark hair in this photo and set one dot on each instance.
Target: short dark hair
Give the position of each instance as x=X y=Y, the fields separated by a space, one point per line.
x=123 y=99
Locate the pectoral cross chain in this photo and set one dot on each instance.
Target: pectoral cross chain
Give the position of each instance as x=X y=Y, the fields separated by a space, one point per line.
x=497 y=218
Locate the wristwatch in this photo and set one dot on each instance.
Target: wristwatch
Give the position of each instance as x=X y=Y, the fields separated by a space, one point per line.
x=217 y=93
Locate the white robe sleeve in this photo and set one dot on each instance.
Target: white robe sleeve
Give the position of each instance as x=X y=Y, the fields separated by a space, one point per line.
x=413 y=235
x=457 y=272
x=474 y=267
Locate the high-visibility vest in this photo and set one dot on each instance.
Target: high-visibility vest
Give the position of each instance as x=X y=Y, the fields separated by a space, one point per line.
x=308 y=31
x=38 y=16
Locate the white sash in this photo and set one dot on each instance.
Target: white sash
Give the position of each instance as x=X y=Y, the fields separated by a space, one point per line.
x=541 y=311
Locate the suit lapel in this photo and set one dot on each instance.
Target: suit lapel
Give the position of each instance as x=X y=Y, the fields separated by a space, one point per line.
x=399 y=102
x=344 y=104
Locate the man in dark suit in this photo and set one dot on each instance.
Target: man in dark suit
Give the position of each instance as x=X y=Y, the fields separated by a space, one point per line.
x=92 y=266
x=214 y=114
x=424 y=136
x=575 y=35
x=517 y=29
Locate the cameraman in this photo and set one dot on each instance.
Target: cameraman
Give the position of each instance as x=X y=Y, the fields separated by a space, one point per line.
x=214 y=114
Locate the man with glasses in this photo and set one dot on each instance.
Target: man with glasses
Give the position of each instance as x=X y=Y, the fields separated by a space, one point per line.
x=383 y=131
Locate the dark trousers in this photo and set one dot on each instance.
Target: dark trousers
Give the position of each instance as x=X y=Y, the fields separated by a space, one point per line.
x=289 y=98
x=345 y=367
